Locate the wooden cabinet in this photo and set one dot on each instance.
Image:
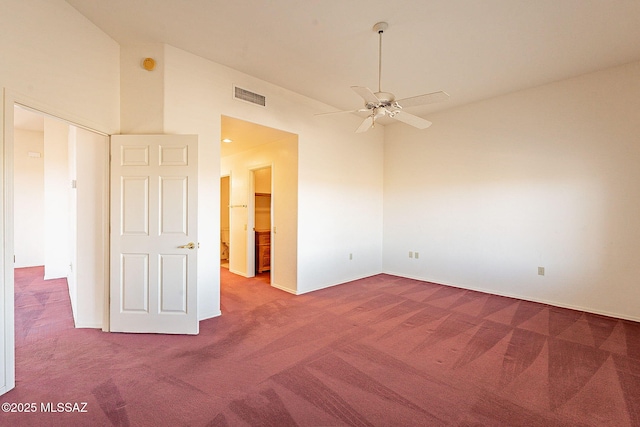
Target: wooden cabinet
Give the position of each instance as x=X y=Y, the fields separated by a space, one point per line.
x=263 y=250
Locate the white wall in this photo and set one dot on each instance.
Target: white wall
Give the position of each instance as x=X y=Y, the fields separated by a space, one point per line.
x=29 y=198
x=340 y=205
x=57 y=58
x=56 y=199
x=544 y=177
x=141 y=91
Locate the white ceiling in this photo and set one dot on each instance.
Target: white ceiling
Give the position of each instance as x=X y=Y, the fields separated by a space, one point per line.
x=246 y=135
x=472 y=49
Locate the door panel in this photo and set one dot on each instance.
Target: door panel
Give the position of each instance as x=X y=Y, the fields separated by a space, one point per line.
x=173 y=283
x=173 y=206
x=135 y=205
x=154 y=237
x=134 y=283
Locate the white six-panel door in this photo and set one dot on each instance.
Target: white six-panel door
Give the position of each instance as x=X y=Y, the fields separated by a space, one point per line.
x=154 y=239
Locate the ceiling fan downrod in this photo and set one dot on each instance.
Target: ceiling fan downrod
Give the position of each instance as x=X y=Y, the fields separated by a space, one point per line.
x=379 y=28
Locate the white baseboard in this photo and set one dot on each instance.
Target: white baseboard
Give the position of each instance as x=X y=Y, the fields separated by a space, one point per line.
x=282 y=288
x=524 y=298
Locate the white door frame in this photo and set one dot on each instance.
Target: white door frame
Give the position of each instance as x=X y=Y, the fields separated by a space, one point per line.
x=7 y=318
x=7 y=323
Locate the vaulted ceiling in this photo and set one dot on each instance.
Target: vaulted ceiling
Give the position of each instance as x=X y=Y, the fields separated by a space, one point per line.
x=472 y=49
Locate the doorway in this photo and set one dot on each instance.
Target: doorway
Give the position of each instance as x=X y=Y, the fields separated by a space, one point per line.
x=246 y=149
x=29 y=190
x=60 y=217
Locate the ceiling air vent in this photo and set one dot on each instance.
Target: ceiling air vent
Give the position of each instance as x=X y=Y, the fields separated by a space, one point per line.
x=248 y=96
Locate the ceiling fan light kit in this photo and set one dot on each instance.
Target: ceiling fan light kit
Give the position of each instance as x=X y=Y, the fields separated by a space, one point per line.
x=380 y=104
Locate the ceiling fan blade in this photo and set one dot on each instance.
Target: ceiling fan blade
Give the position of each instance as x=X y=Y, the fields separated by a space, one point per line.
x=366 y=124
x=412 y=120
x=427 y=98
x=366 y=94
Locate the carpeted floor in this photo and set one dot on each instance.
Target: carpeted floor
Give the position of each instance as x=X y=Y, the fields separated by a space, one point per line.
x=381 y=351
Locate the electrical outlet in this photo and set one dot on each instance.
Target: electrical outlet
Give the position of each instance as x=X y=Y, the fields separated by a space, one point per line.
x=410 y=254
x=416 y=255
x=540 y=271
x=350 y=256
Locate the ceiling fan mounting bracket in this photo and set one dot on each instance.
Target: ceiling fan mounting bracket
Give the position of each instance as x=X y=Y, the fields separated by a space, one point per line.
x=380 y=27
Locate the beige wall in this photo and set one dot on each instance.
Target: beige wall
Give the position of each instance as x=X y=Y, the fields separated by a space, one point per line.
x=57 y=190
x=41 y=189
x=262 y=180
x=141 y=91
x=544 y=177
x=262 y=198
x=224 y=202
x=58 y=60
x=29 y=198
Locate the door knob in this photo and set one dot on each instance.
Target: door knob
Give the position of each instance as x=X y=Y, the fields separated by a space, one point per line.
x=190 y=245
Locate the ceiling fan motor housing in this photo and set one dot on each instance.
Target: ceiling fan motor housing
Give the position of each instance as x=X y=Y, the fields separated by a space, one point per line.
x=385 y=99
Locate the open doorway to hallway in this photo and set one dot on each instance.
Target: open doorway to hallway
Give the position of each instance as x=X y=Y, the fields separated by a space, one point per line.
x=60 y=209
x=41 y=241
x=261 y=164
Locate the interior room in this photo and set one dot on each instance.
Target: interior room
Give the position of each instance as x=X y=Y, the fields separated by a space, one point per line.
x=449 y=183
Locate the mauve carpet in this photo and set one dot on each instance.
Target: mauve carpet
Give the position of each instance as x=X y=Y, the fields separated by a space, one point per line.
x=381 y=351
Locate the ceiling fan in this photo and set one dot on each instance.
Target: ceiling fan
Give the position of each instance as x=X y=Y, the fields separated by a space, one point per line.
x=380 y=104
